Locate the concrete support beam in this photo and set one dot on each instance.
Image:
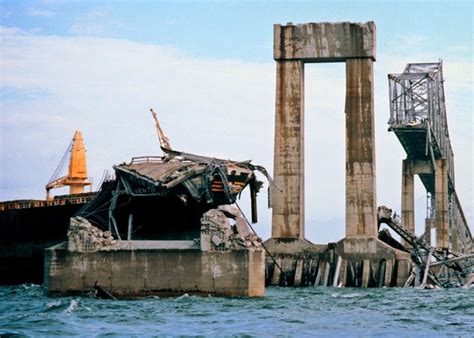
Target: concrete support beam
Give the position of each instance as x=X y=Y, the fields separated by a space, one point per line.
x=429 y=224
x=318 y=274
x=365 y=273
x=276 y=273
x=298 y=272
x=324 y=42
x=388 y=272
x=337 y=272
x=288 y=205
x=361 y=220
x=343 y=273
x=403 y=271
x=408 y=197
x=421 y=167
x=441 y=196
x=327 y=269
x=455 y=239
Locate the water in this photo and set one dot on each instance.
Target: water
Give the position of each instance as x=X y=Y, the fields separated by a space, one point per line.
x=309 y=311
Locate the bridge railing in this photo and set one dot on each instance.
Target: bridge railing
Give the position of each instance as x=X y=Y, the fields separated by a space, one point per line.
x=409 y=104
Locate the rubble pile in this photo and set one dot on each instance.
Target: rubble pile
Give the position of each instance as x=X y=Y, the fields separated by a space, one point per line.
x=226 y=228
x=84 y=237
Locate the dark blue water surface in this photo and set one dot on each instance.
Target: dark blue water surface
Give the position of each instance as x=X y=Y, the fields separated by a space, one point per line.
x=308 y=311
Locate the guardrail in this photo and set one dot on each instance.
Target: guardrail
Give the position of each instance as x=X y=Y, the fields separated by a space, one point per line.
x=58 y=200
x=146 y=159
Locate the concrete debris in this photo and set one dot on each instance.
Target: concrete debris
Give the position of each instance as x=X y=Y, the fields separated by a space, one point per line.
x=84 y=237
x=226 y=228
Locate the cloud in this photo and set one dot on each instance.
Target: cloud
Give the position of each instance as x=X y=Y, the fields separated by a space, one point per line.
x=401 y=42
x=105 y=87
x=217 y=107
x=11 y=31
x=40 y=12
x=91 y=23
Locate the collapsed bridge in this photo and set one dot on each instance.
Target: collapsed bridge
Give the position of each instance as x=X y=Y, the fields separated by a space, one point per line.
x=418 y=119
x=365 y=257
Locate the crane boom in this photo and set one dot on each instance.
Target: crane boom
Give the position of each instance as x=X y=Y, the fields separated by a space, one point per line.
x=164 y=141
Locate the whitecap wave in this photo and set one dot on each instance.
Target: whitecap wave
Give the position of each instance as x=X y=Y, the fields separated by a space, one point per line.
x=347 y=295
x=183 y=296
x=72 y=306
x=53 y=304
x=27 y=286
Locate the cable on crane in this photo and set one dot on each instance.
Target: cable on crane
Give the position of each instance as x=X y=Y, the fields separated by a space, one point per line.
x=61 y=164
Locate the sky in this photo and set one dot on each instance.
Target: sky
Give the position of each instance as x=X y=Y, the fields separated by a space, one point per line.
x=207 y=68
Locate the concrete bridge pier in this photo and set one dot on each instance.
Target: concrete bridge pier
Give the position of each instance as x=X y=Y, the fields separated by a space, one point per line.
x=288 y=228
x=440 y=191
x=408 y=197
x=418 y=119
x=360 y=259
x=441 y=198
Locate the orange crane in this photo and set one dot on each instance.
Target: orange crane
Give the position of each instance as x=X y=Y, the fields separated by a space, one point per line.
x=77 y=177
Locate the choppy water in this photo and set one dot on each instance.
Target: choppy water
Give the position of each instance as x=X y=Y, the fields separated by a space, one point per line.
x=309 y=311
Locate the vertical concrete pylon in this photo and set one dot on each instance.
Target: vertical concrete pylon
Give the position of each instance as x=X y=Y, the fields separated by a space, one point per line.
x=294 y=45
x=361 y=218
x=408 y=197
x=288 y=204
x=354 y=44
x=441 y=211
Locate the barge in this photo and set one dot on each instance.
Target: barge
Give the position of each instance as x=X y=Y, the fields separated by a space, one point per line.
x=27 y=227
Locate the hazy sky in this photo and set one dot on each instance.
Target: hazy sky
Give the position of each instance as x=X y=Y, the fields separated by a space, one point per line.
x=208 y=70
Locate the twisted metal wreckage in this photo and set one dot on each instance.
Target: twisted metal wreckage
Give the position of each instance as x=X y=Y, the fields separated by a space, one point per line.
x=419 y=120
x=185 y=183
x=174 y=197
x=449 y=268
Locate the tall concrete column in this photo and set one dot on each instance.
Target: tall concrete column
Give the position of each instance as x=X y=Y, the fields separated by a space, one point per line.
x=441 y=196
x=408 y=197
x=361 y=219
x=288 y=205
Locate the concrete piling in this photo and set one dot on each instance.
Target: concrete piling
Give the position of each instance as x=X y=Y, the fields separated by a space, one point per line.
x=335 y=268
